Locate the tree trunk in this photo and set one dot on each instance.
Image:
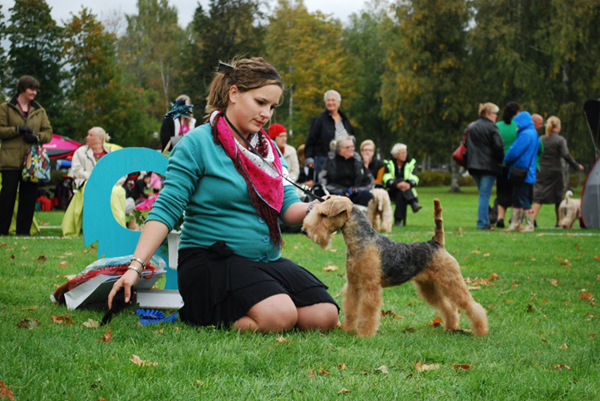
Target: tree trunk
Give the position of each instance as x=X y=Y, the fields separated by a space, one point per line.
x=454 y=168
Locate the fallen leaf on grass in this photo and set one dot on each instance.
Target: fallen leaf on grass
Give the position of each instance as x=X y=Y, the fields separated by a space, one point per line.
x=540 y=235
x=63 y=264
x=554 y=282
x=592 y=335
x=476 y=251
x=323 y=372
x=494 y=276
x=597 y=257
x=62 y=319
x=487 y=255
x=280 y=340
x=29 y=324
x=106 y=337
x=530 y=308
x=561 y=366
x=5 y=392
x=564 y=262
x=311 y=373
x=330 y=268
x=12 y=256
x=342 y=366
x=459 y=367
x=140 y=362
x=31 y=308
x=435 y=322
x=392 y=314
x=382 y=369
x=344 y=390
x=586 y=296
x=419 y=367
x=409 y=330
x=564 y=346
x=91 y=324
x=42 y=258
x=24 y=248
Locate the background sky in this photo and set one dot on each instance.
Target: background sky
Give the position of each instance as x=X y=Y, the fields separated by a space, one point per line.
x=106 y=9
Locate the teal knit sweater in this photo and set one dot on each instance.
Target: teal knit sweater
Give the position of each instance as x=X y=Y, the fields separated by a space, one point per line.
x=202 y=180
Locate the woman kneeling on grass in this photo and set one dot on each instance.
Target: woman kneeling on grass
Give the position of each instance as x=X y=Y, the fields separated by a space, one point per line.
x=230 y=270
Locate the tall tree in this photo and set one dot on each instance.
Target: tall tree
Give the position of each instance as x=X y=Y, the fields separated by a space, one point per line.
x=366 y=40
x=423 y=91
x=307 y=49
x=151 y=49
x=35 y=49
x=230 y=28
x=4 y=82
x=97 y=95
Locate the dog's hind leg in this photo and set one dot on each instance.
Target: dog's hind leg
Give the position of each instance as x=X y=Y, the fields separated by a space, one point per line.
x=434 y=297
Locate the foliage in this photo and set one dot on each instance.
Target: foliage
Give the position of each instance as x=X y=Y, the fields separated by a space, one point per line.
x=151 y=50
x=4 y=82
x=97 y=95
x=424 y=89
x=542 y=308
x=366 y=42
x=35 y=49
x=307 y=49
x=231 y=28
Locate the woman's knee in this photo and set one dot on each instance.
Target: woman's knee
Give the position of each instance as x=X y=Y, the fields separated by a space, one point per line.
x=274 y=314
x=322 y=316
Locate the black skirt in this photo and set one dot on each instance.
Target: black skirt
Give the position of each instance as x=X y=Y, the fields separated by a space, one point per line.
x=218 y=287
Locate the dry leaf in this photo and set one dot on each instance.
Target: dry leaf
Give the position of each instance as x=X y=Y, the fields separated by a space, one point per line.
x=476 y=251
x=530 y=308
x=540 y=234
x=91 y=324
x=106 y=337
x=554 y=282
x=585 y=296
x=63 y=264
x=29 y=324
x=5 y=392
x=383 y=369
x=24 y=248
x=140 y=362
x=423 y=367
x=464 y=367
x=12 y=256
x=436 y=322
x=544 y=339
x=31 y=308
x=561 y=367
x=342 y=366
x=392 y=314
x=62 y=319
x=323 y=371
x=486 y=254
x=494 y=276
x=330 y=268
x=564 y=346
x=597 y=257
x=409 y=330
x=344 y=390
x=280 y=340
x=592 y=335
x=311 y=373
x=42 y=258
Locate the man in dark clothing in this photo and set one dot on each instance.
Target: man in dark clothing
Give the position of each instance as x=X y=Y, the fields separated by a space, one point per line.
x=485 y=153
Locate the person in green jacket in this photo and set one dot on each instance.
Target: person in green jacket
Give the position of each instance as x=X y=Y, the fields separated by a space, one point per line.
x=400 y=180
x=23 y=122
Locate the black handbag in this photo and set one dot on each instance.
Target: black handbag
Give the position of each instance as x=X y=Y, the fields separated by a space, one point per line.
x=518 y=175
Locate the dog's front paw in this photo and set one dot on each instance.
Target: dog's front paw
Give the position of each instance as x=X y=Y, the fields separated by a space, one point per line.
x=349 y=326
x=366 y=332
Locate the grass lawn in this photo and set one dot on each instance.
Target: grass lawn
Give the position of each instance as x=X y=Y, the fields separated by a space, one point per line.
x=543 y=342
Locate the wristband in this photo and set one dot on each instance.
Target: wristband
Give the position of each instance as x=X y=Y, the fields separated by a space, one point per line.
x=135 y=269
x=140 y=261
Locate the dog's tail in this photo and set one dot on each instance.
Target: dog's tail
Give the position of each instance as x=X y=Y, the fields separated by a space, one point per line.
x=568 y=196
x=438 y=235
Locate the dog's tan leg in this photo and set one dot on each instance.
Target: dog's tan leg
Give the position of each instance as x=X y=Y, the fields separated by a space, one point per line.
x=431 y=294
x=370 y=309
x=352 y=295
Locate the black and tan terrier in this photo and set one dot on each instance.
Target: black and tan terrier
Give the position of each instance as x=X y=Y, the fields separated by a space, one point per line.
x=374 y=261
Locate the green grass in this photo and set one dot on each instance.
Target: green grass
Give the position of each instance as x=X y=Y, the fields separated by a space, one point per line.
x=537 y=324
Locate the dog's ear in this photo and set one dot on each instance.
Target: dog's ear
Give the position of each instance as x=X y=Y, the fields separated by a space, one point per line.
x=338 y=206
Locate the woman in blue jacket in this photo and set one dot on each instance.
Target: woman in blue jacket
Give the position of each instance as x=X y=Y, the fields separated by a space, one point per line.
x=522 y=155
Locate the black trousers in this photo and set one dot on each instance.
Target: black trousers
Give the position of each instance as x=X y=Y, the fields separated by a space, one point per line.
x=11 y=182
x=401 y=199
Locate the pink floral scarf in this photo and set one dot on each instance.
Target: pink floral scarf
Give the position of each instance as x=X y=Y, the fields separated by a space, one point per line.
x=264 y=184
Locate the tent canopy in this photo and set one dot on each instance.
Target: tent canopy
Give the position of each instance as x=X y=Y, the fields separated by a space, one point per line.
x=61 y=147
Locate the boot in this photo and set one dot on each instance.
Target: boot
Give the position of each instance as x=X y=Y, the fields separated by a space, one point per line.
x=529 y=222
x=415 y=206
x=515 y=220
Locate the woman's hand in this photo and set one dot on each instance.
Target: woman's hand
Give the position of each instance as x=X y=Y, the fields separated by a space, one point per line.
x=403 y=186
x=127 y=280
x=580 y=167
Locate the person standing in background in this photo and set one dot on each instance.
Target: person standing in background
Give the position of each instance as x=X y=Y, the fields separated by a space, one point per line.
x=23 y=123
x=278 y=133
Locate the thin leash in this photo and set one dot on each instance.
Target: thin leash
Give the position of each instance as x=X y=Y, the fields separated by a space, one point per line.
x=253 y=150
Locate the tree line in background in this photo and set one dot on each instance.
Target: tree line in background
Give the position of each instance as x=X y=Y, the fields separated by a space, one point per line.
x=411 y=71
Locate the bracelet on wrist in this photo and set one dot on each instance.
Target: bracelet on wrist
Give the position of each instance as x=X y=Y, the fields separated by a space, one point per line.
x=135 y=269
x=140 y=261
